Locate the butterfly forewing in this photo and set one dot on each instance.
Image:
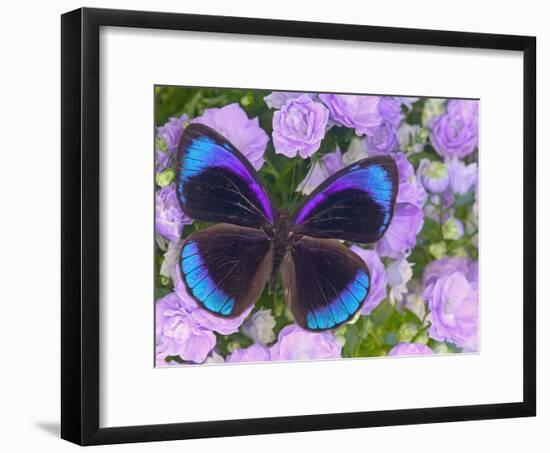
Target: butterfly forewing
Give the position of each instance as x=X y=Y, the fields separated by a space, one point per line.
x=355 y=204
x=216 y=183
x=225 y=267
x=325 y=283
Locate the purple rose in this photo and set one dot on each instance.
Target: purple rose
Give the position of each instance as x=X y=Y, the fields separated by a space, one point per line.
x=162 y=160
x=462 y=177
x=455 y=133
x=278 y=98
x=178 y=334
x=299 y=127
x=469 y=110
x=296 y=343
x=383 y=139
x=408 y=217
x=473 y=273
x=378 y=281
x=329 y=164
x=246 y=134
x=434 y=175
x=207 y=320
x=453 y=304
x=169 y=218
x=449 y=265
x=254 y=353
x=400 y=237
x=357 y=112
x=171 y=132
x=410 y=349
x=389 y=108
x=410 y=190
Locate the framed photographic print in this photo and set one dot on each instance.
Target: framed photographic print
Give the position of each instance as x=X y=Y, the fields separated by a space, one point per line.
x=337 y=218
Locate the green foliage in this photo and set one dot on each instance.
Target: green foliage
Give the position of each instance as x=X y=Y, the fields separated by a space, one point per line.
x=376 y=334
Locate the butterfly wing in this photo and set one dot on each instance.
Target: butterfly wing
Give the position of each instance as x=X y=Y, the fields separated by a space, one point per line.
x=325 y=283
x=225 y=267
x=355 y=204
x=216 y=183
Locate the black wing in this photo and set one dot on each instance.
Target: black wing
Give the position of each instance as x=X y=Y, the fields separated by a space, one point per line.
x=225 y=267
x=355 y=204
x=325 y=283
x=216 y=183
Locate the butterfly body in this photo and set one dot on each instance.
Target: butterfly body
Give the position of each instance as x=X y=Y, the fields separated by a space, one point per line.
x=226 y=266
x=281 y=236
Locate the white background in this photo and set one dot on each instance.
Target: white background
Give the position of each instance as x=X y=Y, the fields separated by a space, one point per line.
x=30 y=228
x=126 y=84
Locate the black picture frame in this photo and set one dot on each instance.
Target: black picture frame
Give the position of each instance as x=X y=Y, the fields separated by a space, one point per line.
x=80 y=188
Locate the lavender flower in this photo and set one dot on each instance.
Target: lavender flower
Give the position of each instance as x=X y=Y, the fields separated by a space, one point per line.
x=178 y=334
x=383 y=139
x=246 y=134
x=410 y=349
x=469 y=110
x=455 y=134
x=473 y=274
x=168 y=138
x=260 y=327
x=298 y=344
x=399 y=273
x=254 y=353
x=162 y=160
x=171 y=132
x=299 y=127
x=408 y=217
x=462 y=177
x=328 y=164
x=377 y=290
x=389 y=108
x=207 y=320
x=449 y=265
x=434 y=175
x=357 y=112
x=169 y=218
x=453 y=304
x=277 y=99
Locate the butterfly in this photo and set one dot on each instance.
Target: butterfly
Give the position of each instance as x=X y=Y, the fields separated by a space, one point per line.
x=226 y=266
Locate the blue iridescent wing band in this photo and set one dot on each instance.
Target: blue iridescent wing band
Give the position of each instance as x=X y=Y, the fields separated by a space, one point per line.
x=225 y=267
x=355 y=204
x=325 y=283
x=216 y=183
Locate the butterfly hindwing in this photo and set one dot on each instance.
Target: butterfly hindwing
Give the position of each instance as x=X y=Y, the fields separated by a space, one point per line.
x=355 y=204
x=216 y=183
x=225 y=267
x=325 y=283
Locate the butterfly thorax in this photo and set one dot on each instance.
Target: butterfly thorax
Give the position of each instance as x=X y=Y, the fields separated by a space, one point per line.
x=281 y=238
